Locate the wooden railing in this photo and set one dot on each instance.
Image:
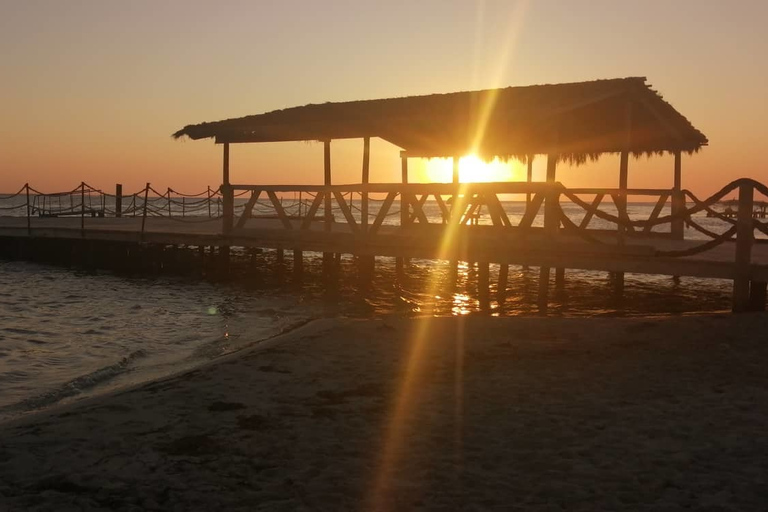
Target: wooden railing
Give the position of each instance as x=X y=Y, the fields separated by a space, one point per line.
x=460 y=204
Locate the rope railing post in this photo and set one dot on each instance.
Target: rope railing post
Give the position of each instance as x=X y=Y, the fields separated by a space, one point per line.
x=744 y=241
x=82 y=206
x=29 y=213
x=209 y=201
x=118 y=200
x=144 y=212
x=168 y=194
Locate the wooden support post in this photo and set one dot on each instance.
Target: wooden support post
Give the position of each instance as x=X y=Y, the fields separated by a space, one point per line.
x=404 y=208
x=530 y=180
x=201 y=258
x=744 y=241
x=483 y=284
x=543 y=298
x=228 y=213
x=227 y=193
x=551 y=225
x=118 y=200
x=678 y=199
x=528 y=195
x=298 y=263
x=618 y=277
x=501 y=289
x=280 y=256
x=366 y=266
x=328 y=257
x=757 y=295
x=366 y=179
x=560 y=278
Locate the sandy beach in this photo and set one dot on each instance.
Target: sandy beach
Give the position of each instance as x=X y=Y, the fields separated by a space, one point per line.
x=427 y=414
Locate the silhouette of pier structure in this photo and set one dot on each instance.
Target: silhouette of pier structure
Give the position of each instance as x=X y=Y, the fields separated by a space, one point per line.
x=571 y=123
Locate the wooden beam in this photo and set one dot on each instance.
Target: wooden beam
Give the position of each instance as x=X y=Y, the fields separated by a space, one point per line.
x=346 y=211
x=495 y=208
x=418 y=208
x=446 y=213
x=588 y=216
x=279 y=209
x=313 y=210
x=365 y=180
x=248 y=208
x=385 y=206
x=656 y=211
x=532 y=210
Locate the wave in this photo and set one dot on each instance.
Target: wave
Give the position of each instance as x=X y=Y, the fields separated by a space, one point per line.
x=77 y=385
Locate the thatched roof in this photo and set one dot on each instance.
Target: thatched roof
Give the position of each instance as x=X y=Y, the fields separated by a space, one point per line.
x=577 y=120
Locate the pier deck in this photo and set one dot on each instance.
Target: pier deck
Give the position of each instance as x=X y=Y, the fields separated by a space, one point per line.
x=397 y=225
x=475 y=243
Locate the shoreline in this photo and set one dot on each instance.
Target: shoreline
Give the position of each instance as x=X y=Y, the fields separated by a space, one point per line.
x=71 y=401
x=396 y=413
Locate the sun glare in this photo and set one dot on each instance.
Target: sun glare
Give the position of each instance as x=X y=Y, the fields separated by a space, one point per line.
x=472 y=169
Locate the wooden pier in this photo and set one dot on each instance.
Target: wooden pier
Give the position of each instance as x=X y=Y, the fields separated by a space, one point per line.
x=573 y=123
x=396 y=225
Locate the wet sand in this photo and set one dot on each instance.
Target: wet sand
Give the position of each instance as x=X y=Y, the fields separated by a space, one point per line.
x=429 y=414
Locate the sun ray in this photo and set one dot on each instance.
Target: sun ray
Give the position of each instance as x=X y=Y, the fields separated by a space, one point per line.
x=397 y=426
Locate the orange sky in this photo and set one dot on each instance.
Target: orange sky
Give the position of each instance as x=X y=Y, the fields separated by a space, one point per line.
x=92 y=90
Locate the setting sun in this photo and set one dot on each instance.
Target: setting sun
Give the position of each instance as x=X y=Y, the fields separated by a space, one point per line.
x=472 y=169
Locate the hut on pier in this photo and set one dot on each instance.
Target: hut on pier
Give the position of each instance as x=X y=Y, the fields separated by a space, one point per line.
x=571 y=122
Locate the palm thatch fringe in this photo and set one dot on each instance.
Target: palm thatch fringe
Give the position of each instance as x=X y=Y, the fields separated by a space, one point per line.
x=577 y=121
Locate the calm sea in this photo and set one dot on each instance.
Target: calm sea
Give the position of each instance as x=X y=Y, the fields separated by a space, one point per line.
x=66 y=334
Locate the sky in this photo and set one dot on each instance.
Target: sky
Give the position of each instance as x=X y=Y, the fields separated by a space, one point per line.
x=91 y=90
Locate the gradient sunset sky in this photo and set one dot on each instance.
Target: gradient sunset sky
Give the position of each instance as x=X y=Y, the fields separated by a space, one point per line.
x=92 y=90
